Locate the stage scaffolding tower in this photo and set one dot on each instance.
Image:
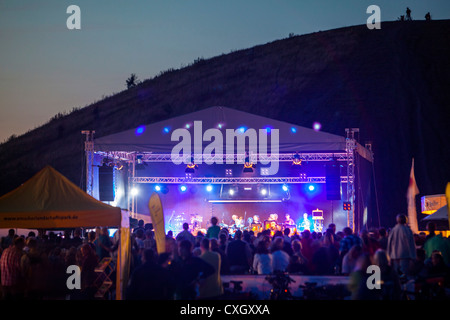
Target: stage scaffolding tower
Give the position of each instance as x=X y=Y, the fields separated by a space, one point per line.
x=89 y=154
x=350 y=146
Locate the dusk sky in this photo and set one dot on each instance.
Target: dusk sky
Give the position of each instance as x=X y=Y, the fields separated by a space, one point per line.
x=46 y=68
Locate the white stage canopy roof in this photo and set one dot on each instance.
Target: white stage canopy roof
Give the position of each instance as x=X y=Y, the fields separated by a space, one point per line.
x=156 y=137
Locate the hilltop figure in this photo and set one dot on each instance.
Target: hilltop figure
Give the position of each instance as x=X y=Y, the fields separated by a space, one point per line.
x=408 y=14
x=428 y=16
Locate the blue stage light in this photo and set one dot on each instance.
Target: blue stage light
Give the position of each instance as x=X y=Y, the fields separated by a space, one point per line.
x=285 y=187
x=242 y=129
x=140 y=130
x=293 y=129
x=166 y=129
x=183 y=188
x=157 y=188
x=209 y=188
x=311 y=187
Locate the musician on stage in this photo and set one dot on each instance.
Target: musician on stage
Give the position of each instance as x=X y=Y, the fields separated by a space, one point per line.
x=288 y=220
x=256 y=224
x=305 y=224
x=237 y=221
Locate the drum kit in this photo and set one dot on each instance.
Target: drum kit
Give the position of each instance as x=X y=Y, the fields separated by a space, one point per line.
x=194 y=220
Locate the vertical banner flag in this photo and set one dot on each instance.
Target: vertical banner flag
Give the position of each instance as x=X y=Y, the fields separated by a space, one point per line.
x=411 y=194
x=447 y=195
x=157 y=214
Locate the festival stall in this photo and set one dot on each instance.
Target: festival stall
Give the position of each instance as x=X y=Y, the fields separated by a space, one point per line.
x=51 y=201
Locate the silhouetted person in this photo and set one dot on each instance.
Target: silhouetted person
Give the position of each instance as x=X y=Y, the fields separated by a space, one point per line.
x=428 y=16
x=408 y=14
x=188 y=270
x=239 y=254
x=150 y=281
x=401 y=247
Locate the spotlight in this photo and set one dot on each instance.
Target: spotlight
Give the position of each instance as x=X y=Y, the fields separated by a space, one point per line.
x=134 y=192
x=183 y=188
x=190 y=168
x=157 y=188
x=164 y=189
x=231 y=192
x=297 y=160
x=140 y=164
x=139 y=130
x=248 y=166
x=311 y=187
x=285 y=187
x=166 y=130
x=263 y=192
x=209 y=188
x=317 y=126
x=293 y=129
x=242 y=129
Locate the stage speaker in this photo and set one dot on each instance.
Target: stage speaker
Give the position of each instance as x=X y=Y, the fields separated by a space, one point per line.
x=106 y=183
x=333 y=181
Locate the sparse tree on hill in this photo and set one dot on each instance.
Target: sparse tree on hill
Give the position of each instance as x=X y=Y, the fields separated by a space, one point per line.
x=132 y=81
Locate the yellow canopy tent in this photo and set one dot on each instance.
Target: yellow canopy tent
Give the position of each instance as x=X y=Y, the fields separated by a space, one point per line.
x=49 y=200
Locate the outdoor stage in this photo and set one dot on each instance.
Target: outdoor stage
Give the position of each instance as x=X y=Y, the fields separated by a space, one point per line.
x=316 y=171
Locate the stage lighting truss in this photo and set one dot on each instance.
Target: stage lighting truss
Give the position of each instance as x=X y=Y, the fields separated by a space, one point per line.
x=232 y=180
x=233 y=158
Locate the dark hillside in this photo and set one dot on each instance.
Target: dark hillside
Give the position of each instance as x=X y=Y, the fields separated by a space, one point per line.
x=393 y=84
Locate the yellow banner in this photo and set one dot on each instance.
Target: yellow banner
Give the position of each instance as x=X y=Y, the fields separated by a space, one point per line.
x=447 y=195
x=123 y=262
x=157 y=214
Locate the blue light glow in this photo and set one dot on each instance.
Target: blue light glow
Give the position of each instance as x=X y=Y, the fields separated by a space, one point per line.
x=285 y=187
x=317 y=126
x=157 y=188
x=242 y=129
x=166 y=129
x=140 y=130
x=183 y=188
x=209 y=188
x=311 y=187
x=293 y=129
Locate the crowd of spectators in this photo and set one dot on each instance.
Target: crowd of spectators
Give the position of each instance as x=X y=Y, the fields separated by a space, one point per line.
x=401 y=256
x=34 y=267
